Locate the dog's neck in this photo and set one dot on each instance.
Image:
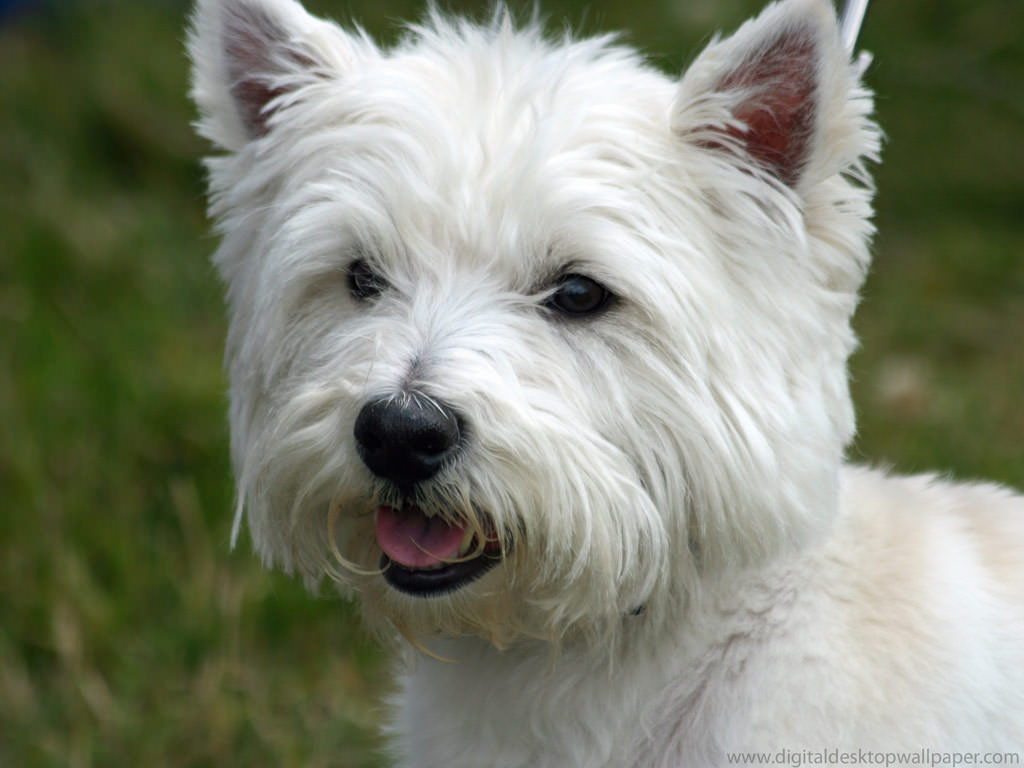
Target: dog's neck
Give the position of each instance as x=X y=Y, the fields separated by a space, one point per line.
x=655 y=670
x=528 y=688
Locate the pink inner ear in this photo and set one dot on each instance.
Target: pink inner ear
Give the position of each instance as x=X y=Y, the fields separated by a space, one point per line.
x=779 y=105
x=256 y=50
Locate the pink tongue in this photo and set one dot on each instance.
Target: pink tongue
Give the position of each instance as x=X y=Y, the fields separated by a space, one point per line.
x=414 y=540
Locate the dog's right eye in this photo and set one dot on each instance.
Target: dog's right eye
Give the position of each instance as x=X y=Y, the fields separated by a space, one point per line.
x=363 y=282
x=578 y=295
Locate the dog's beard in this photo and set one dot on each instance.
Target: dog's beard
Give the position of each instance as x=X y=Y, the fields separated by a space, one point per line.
x=576 y=540
x=529 y=586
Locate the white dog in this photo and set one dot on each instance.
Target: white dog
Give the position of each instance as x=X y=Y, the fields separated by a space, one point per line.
x=542 y=354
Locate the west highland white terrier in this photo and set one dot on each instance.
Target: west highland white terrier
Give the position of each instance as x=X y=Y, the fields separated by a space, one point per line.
x=542 y=355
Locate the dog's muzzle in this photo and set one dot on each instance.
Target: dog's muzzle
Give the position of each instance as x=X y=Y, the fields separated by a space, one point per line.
x=407 y=440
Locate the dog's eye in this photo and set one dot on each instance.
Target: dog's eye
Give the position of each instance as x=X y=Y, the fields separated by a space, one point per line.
x=363 y=282
x=579 y=295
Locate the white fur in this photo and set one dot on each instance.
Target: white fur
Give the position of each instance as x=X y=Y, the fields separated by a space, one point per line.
x=689 y=567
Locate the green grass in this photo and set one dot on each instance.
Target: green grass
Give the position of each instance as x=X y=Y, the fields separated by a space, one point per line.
x=129 y=633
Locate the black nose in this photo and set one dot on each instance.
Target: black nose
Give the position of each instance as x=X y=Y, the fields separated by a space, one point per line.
x=406 y=439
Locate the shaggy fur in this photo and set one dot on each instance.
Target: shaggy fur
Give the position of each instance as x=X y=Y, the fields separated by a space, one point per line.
x=686 y=567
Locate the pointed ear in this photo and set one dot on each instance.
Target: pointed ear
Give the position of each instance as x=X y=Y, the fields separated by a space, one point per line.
x=250 y=56
x=764 y=97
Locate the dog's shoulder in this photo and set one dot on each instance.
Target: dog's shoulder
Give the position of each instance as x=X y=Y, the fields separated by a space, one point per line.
x=902 y=617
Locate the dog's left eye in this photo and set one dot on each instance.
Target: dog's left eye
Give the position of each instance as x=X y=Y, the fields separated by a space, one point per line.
x=363 y=282
x=579 y=295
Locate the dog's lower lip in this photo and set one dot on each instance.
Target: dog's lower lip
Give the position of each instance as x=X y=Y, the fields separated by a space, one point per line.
x=431 y=582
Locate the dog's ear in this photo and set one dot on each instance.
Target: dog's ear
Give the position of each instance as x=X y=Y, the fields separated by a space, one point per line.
x=250 y=58
x=769 y=96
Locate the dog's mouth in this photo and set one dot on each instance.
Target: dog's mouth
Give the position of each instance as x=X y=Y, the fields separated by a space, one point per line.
x=427 y=555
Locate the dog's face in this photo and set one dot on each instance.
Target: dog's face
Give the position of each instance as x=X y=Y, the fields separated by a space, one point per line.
x=525 y=335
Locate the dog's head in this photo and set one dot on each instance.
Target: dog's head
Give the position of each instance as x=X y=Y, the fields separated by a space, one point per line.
x=525 y=334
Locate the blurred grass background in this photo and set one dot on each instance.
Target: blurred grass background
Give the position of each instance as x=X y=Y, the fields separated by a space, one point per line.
x=129 y=633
